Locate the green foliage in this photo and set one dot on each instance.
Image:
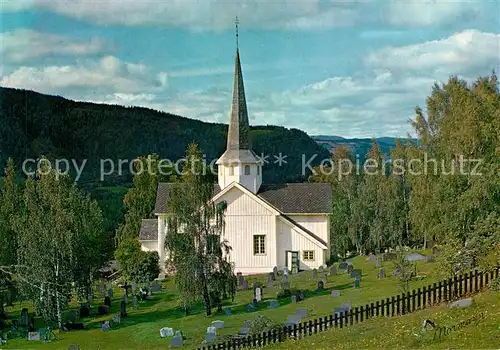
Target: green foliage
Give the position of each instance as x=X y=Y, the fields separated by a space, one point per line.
x=407 y=271
x=262 y=324
x=197 y=249
x=60 y=234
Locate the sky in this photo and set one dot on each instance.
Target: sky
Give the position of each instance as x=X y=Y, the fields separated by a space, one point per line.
x=348 y=68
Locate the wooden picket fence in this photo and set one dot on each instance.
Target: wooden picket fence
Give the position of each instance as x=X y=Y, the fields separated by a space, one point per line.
x=443 y=291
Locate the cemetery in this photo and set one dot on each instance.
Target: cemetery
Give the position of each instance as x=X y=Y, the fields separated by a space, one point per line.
x=114 y=317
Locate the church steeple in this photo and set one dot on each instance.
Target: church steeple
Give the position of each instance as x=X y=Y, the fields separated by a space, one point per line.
x=239 y=128
x=239 y=163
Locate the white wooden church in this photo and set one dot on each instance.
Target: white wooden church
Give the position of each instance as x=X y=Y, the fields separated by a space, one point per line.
x=283 y=225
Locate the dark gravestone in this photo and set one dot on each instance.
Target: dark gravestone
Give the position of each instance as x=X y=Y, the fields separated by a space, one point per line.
x=349 y=268
x=357 y=282
x=356 y=273
x=275 y=272
x=294 y=299
x=71 y=316
x=84 y=311
x=244 y=285
x=333 y=270
x=227 y=311
x=314 y=275
x=155 y=287
x=123 y=309
x=239 y=277
x=250 y=307
x=321 y=286
x=107 y=301
x=23 y=320
x=125 y=298
x=103 y=310
x=255 y=303
x=343 y=267
x=110 y=292
x=270 y=279
x=31 y=324
x=285 y=278
x=300 y=296
x=381 y=274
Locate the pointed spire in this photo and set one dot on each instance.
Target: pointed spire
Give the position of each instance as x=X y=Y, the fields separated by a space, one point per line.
x=238 y=137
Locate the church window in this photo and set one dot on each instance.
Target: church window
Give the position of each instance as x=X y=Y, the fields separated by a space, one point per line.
x=247 y=169
x=231 y=170
x=308 y=255
x=259 y=244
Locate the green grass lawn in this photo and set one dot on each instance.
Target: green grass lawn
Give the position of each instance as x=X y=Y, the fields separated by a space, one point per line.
x=141 y=329
x=404 y=332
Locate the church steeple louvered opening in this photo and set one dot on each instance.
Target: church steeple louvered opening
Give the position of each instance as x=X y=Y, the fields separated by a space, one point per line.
x=239 y=163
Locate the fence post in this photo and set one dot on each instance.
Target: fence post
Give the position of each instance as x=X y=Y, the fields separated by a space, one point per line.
x=336 y=320
x=356 y=314
x=450 y=286
x=367 y=311
x=372 y=310
x=439 y=292
x=387 y=304
x=475 y=281
x=346 y=318
x=377 y=307
x=342 y=319
x=481 y=280
x=398 y=299
x=408 y=301
x=487 y=275
x=331 y=320
x=315 y=325
x=382 y=306
x=413 y=306
x=424 y=297
x=361 y=311
x=351 y=317
x=392 y=305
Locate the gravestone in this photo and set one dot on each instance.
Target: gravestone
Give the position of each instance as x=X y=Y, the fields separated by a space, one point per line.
x=179 y=334
x=218 y=324
x=346 y=306
x=103 y=310
x=270 y=279
x=378 y=262
x=107 y=301
x=117 y=319
x=333 y=270
x=110 y=292
x=314 y=275
x=34 y=336
x=123 y=309
x=166 y=332
x=105 y=326
x=90 y=299
x=355 y=273
x=177 y=341
x=134 y=287
x=320 y=287
x=335 y=293
x=324 y=277
x=349 y=268
x=31 y=324
x=211 y=329
x=84 y=311
x=320 y=269
x=371 y=257
x=377 y=251
x=134 y=301
x=101 y=289
x=210 y=337
x=73 y=347
x=244 y=285
x=416 y=257
x=301 y=296
x=285 y=285
x=255 y=302
x=239 y=276
x=125 y=298
x=155 y=287
x=302 y=312
x=23 y=320
x=273 y=304
x=293 y=319
x=343 y=267
x=357 y=282
x=258 y=294
x=285 y=271
x=275 y=272
x=294 y=299
x=381 y=273
x=462 y=303
x=227 y=311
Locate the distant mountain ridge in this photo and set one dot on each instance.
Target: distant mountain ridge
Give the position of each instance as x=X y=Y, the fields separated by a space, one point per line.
x=358 y=146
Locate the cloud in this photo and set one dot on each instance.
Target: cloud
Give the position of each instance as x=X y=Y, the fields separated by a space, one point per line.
x=15 y=5
x=462 y=52
x=429 y=13
x=109 y=74
x=209 y=14
x=26 y=45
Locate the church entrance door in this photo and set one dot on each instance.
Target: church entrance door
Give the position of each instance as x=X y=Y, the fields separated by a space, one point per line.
x=292 y=261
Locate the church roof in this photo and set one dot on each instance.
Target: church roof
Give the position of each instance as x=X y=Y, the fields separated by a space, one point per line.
x=149 y=230
x=291 y=198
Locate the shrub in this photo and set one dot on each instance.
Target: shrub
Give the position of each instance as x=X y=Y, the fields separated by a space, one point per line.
x=495 y=284
x=262 y=324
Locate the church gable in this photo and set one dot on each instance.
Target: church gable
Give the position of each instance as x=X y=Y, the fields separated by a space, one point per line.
x=241 y=203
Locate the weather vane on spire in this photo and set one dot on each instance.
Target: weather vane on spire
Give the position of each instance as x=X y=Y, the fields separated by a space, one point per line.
x=236 y=22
